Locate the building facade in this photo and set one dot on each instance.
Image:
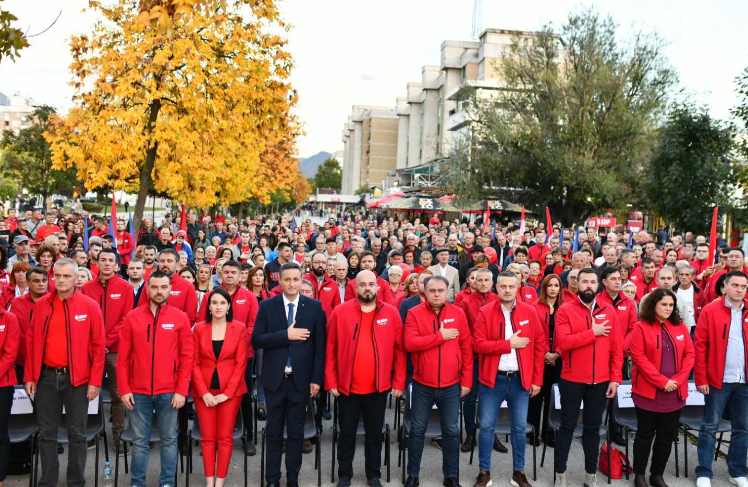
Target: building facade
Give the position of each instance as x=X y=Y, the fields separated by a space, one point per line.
x=14 y=112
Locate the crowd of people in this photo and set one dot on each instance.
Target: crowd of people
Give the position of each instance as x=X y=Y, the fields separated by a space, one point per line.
x=364 y=307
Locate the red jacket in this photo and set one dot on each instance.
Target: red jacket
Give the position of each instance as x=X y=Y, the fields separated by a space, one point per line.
x=384 y=293
x=527 y=294
x=588 y=358
x=245 y=307
x=462 y=295
x=490 y=342
x=327 y=292
x=183 y=296
x=231 y=363
x=537 y=252
x=9 y=346
x=342 y=339
x=544 y=314
x=23 y=309
x=472 y=305
x=7 y=295
x=711 y=287
x=642 y=287
x=646 y=353
x=710 y=337
x=85 y=334
x=125 y=246
x=436 y=362
x=625 y=311
x=155 y=352
x=115 y=298
x=700 y=266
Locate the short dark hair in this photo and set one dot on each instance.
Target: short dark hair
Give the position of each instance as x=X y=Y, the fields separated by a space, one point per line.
x=170 y=250
x=647 y=312
x=737 y=249
x=732 y=274
x=292 y=265
x=223 y=293
x=608 y=271
x=521 y=250
x=36 y=270
x=647 y=260
x=110 y=251
x=282 y=246
x=150 y=247
x=626 y=252
x=158 y=275
x=435 y=278
x=587 y=270
x=232 y=263
x=367 y=253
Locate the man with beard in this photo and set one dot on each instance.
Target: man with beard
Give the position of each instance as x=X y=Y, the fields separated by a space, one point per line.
x=182 y=292
x=368 y=263
x=324 y=288
x=590 y=332
x=370 y=331
x=149 y=261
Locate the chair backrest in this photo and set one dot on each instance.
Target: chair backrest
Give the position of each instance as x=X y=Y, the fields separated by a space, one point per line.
x=554 y=416
x=623 y=405
x=23 y=423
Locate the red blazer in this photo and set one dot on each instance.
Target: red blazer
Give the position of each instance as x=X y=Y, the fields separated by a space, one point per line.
x=711 y=335
x=342 y=339
x=245 y=306
x=85 y=331
x=9 y=344
x=231 y=363
x=490 y=342
x=646 y=353
x=438 y=363
x=588 y=358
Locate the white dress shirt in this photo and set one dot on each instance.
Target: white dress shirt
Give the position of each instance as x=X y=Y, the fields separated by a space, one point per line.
x=508 y=361
x=295 y=303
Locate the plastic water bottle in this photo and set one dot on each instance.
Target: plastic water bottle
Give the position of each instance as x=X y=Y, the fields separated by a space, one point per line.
x=107 y=481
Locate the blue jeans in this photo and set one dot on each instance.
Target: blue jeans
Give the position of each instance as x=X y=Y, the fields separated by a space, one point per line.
x=517 y=398
x=140 y=421
x=469 y=402
x=421 y=399
x=736 y=395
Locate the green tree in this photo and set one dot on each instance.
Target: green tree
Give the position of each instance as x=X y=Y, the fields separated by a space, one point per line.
x=692 y=169
x=27 y=159
x=12 y=39
x=329 y=175
x=574 y=123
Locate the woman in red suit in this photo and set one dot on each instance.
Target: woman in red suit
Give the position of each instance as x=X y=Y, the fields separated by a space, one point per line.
x=218 y=382
x=663 y=357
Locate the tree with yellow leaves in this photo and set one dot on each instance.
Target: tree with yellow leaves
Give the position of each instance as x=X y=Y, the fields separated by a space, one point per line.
x=184 y=96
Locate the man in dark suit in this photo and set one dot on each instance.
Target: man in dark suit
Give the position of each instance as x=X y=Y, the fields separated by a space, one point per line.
x=290 y=328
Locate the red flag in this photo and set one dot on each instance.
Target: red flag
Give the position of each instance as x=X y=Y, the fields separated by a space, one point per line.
x=183 y=219
x=522 y=223
x=113 y=221
x=713 y=237
x=486 y=218
x=549 y=225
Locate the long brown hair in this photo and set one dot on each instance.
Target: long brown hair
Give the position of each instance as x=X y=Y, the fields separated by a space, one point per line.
x=544 y=290
x=254 y=270
x=647 y=311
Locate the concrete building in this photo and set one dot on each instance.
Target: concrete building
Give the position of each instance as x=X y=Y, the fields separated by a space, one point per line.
x=370 y=147
x=14 y=112
x=432 y=115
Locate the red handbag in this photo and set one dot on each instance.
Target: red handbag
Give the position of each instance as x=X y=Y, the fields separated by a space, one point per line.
x=618 y=462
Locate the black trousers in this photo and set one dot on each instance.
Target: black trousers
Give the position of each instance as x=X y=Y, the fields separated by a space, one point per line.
x=6 y=403
x=660 y=427
x=350 y=409
x=540 y=403
x=286 y=408
x=572 y=395
x=247 y=410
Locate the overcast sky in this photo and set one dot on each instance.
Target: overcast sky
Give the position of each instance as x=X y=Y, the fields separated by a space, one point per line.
x=355 y=52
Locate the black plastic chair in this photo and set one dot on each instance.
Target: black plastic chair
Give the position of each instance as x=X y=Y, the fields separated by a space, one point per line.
x=239 y=434
x=433 y=429
x=359 y=432
x=691 y=418
x=95 y=431
x=554 y=422
x=311 y=431
x=22 y=428
x=105 y=394
x=504 y=427
x=128 y=436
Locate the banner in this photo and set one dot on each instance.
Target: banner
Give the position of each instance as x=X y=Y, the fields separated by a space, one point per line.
x=601 y=222
x=635 y=226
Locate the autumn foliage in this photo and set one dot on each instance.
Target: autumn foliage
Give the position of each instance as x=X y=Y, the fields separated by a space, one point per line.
x=186 y=97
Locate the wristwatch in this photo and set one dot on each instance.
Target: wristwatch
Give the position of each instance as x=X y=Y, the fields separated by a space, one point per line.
x=616 y=383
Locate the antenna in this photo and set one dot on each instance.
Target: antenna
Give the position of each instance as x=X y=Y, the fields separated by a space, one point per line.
x=477 y=19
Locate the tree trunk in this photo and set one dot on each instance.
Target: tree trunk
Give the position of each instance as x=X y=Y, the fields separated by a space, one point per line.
x=146 y=173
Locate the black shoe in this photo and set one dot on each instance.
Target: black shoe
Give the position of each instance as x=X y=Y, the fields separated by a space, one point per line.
x=468 y=444
x=639 y=481
x=292 y=483
x=251 y=448
x=498 y=445
x=618 y=437
x=60 y=449
x=436 y=442
x=451 y=482
x=656 y=481
x=184 y=445
x=531 y=437
x=344 y=482
x=412 y=482
x=326 y=414
x=272 y=484
x=261 y=414
x=550 y=441
x=374 y=482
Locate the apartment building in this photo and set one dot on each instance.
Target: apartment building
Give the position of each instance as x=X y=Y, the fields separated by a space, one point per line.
x=14 y=112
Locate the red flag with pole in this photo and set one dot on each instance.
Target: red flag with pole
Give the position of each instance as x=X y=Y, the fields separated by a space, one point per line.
x=713 y=237
x=522 y=223
x=549 y=225
x=486 y=218
x=113 y=221
x=183 y=219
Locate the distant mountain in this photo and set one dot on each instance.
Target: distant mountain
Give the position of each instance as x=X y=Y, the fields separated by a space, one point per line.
x=310 y=164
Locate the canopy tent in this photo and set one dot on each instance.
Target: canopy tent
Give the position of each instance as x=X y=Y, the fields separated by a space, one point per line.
x=378 y=203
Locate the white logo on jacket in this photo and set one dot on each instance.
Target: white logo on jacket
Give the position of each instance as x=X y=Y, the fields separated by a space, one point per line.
x=383 y=321
x=524 y=322
x=80 y=317
x=600 y=316
x=680 y=337
x=241 y=301
x=115 y=296
x=448 y=320
x=623 y=308
x=167 y=326
x=176 y=293
x=2 y=328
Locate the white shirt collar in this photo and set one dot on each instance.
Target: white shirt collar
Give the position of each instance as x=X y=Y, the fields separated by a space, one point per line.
x=295 y=302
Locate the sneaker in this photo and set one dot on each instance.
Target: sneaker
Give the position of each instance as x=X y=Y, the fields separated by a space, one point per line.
x=519 y=479
x=468 y=444
x=739 y=481
x=590 y=480
x=704 y=482
x=374 y=482
x=484 y=479
x=560 y=480
x=344 y=482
